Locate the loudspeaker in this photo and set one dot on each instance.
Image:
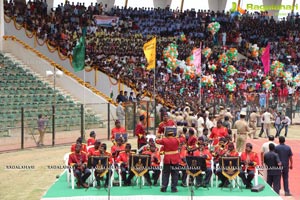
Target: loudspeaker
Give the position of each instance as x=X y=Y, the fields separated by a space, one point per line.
x=258 y=188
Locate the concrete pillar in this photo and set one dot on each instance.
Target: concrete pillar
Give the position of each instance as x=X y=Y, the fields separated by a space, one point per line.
x=162 y=3
x=217 y=5
x=1 y=24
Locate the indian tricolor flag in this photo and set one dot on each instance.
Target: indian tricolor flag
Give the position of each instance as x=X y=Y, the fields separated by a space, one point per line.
x=104 y=20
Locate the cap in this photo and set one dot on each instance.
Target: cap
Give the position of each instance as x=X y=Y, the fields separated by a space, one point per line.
x=249 y=145
x=117 y=121
x=92 y=133
x=243 y=113
x=142 y=117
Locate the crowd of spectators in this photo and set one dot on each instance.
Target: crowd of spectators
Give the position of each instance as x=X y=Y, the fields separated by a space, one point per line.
x=118 y=50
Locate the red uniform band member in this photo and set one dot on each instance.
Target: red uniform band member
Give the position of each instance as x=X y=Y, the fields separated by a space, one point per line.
x=78 y=160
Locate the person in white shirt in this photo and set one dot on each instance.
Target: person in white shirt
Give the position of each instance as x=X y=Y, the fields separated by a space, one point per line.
x=266 y=118
x=265 y=149
x=285 y=124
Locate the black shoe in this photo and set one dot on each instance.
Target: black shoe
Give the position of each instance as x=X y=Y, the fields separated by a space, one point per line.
x=198 y=185
x=221 y=185
x=183 y=185
x=248 y=186
x=288 y=194
x=163 y=189
x=174 y=190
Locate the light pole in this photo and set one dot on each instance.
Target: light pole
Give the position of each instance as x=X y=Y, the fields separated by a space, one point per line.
x=54 y=73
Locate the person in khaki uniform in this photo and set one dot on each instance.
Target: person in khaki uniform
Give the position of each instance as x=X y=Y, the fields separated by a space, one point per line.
x=242 y=130
x=253 y=122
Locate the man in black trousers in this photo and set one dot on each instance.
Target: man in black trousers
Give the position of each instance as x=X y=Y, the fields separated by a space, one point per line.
x=274 y=167
x=286 y=157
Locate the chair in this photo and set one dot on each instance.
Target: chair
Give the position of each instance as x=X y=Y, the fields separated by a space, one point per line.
x=69 y=171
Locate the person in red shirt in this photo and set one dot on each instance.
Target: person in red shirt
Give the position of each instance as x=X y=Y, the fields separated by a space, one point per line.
x=93 y=151
x=155 y=163
x=83 y=145
x=204 y=153
x=218 y=132
x=166 y=122
x=231 y=152
x=140 y=132
x=117 y=129
x=171 y=160
x=78 y=160
x=191 y=143
x=117 y=148
x=123 y=160
x=91 y=141
x=183 y=153
x=249 y=160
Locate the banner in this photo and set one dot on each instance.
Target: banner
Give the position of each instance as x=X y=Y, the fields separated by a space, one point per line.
x=100 y=164
x=104 y=20
x=195 y=165
x=139 y=164
x=230 y=167
x=150 y=53
x=265 y=59
x=78 y=61
x=197 y=60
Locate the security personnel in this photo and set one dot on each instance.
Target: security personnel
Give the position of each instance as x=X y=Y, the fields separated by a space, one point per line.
x=253 y=121
x=166 y=122
x=249 y=160
x=171 y=160
x=231 y=152
x=242 y=130
x=78 y=160
x=273 y=163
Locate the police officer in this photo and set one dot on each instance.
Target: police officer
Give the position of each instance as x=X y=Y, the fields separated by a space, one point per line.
x=273 y=163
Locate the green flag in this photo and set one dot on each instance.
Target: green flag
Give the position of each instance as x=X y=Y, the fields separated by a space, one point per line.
x=78 y=61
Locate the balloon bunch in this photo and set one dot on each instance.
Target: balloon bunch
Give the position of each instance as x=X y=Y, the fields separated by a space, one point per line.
x=277 y=68
x=207 y=52
x=230 y=86
x=232 y=54
x=182 y=37
x=223 y=59
x=261 y=51
x=213 y=27
x=213 y=67
x=207 y=80
x=231 y=70
x=254 y=50
x=296 y=80
x=288 y=77
x=170 y=54
x=267 y=84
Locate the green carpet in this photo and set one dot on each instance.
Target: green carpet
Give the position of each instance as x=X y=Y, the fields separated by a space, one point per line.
x=61 y=189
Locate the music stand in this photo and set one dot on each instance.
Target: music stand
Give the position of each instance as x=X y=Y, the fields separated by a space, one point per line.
x=139 y=165
x=170 y=129
x=195 y=166
x=231 y=169
x=99 y=166
x=124 y=136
